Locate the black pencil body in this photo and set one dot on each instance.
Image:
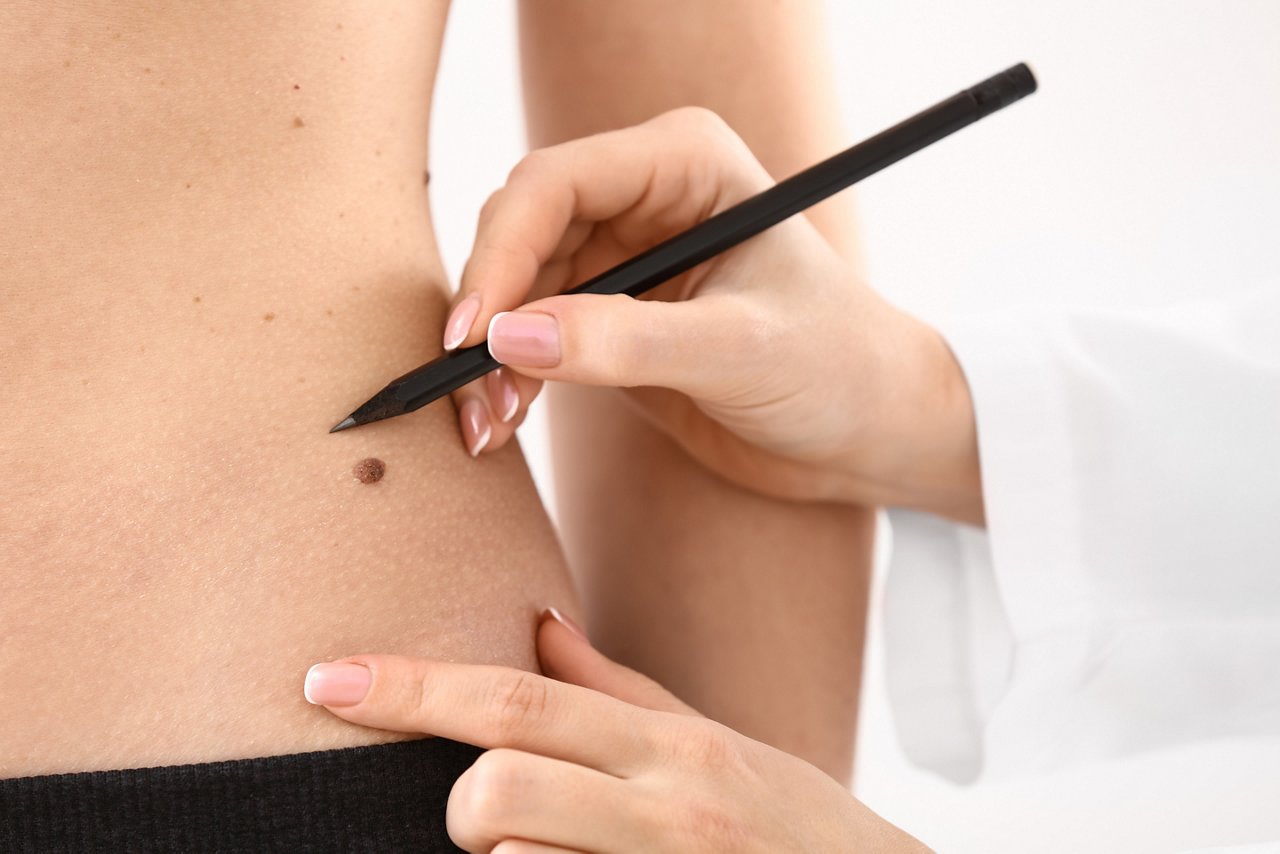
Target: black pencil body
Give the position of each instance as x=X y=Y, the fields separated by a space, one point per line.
x=723 y=231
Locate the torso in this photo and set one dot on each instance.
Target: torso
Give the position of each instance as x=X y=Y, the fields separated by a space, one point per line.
x=215 y=243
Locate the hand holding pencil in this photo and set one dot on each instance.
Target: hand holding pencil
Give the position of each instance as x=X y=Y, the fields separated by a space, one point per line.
x=773 y=364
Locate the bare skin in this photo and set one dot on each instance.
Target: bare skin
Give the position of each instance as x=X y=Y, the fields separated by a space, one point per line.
x=749 y=608
x=215 y=243
x=193 y=536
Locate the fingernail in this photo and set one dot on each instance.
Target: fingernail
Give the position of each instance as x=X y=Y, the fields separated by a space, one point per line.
x=569 y=624
x=503 y=394
x=459 y=324
x=475 y=426
x=337 y=683
x=526 y=339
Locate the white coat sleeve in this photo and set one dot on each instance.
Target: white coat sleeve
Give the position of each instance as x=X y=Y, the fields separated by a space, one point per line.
x=1125 y=594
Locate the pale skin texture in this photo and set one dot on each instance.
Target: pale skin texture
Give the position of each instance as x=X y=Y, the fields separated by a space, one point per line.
x=670 y=557
x=261 y=203
x=200 y=542
x=193 y=288
x=600 y=758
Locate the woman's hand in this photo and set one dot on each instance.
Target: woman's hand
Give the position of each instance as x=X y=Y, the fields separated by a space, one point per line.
x=772 y=364
x=603 y=760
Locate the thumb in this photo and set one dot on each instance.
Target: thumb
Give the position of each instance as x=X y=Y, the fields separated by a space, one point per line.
x=567 y=656
x=693 y=346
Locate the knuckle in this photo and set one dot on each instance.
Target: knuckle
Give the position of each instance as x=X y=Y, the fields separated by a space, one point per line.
x=624 y=339
x=531 y=166
x=519 y=701
x=699 y=119
x=710 y=749
x=413 y=699
x=711 y=824
x=759 y=326
x=710 y=129
x=495 y=789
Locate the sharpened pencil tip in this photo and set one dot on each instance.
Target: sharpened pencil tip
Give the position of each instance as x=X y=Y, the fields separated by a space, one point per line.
x=347 y=422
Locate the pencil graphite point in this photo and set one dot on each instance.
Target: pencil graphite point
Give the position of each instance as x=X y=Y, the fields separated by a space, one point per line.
x=346 y=422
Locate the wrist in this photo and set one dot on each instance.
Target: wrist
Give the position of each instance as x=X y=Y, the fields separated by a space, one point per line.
x=920 y=447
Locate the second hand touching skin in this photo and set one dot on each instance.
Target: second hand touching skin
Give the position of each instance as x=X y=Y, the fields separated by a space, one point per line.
x=617 y=765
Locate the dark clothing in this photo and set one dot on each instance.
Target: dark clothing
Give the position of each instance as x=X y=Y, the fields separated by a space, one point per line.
x=389 y=797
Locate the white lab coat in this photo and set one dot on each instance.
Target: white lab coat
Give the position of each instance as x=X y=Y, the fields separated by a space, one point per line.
x=1125 y=596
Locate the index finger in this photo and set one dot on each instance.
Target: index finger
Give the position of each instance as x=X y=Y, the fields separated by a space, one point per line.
x=494 y=707
x=662 y=176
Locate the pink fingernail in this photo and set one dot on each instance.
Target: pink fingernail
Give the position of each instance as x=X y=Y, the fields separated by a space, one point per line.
x=464 y=314
x=475 y=426
x=526 y=339
x=504 y=394
x=337 y=683
x=567 y=623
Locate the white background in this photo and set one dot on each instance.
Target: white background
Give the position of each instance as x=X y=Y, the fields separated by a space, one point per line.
x=1146 y=170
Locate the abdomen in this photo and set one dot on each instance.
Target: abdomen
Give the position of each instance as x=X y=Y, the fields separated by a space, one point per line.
x=203 y=269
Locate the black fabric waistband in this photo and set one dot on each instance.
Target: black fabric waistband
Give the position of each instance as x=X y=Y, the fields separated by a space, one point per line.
x=388 y=797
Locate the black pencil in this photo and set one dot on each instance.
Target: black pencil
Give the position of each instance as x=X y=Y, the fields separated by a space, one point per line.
x=721 y=232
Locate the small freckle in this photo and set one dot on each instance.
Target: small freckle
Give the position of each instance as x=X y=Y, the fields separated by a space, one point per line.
x=426 y=177
x=196 y=298
x=302 y=379
x=369 y=470
x=116 y=36
x=146 y=71
x=188 y=185
x=329 y=312
x=342 y=214
x=84 y=382
x=296 y=86
x=268 y=317
x=355 y=287
x=66 y=63
x=342 y=59
x=298 y=122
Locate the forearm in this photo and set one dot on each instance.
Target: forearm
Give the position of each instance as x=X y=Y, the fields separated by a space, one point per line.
x=751 y=609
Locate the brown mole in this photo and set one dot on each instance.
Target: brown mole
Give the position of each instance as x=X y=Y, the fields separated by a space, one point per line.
x=369 y=470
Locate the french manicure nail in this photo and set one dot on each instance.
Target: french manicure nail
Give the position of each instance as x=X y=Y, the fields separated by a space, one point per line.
x=337 y=683
x=504 y=394
x=567 y=623
x=476 y=430
x=460 y=320
x=526 y=339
